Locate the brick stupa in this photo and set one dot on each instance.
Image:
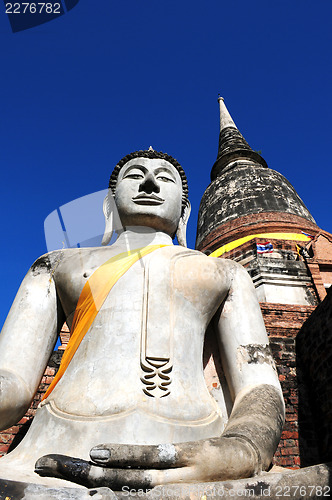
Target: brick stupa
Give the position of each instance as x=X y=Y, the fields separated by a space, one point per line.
x=252 y=214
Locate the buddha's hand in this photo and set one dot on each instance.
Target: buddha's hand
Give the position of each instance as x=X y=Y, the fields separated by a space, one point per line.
x=146 y=466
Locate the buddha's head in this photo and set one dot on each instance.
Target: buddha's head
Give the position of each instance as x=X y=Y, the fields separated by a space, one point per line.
x=150 y=189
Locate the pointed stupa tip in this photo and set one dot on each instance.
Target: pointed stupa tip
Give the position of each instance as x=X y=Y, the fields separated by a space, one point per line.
x=225 y=118
x=232 y=144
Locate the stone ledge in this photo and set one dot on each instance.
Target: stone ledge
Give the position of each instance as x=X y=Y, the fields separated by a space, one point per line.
x=16 y=490
x=272 y=485
x=307 y=483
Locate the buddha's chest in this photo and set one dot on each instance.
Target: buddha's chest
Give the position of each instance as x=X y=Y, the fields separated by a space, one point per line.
x=157 y=291
x=144 y=347
x=157 y=310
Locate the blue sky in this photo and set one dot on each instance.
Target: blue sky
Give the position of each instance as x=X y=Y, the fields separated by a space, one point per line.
x=107 y=78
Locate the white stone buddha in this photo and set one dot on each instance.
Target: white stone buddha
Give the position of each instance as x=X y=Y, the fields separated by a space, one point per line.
x=133 y=397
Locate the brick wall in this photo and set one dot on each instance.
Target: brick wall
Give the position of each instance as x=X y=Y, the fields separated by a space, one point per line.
x=266 y=222
x=283 y=323
x=304 y=366
x=314 y=362
x=11 y=437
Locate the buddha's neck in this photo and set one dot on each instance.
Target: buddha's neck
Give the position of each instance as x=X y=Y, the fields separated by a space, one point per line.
x=136 y=237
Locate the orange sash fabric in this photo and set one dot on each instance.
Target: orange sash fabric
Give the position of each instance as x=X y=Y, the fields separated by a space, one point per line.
x=92 y=298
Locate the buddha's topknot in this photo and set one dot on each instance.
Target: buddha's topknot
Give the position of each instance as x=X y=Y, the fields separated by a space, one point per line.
x=154 y=155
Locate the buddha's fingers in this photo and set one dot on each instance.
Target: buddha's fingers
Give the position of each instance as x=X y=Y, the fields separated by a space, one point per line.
x=93 y=476
x=90 y=475
x=64 y=467
x=162 y=456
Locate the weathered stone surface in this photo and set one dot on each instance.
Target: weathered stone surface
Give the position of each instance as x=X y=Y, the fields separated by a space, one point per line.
x=242 y=184
x=281 y=280
x=308 y=483
x=246 y=188
x=15 y=490
x=267 y=222
x=232 y=145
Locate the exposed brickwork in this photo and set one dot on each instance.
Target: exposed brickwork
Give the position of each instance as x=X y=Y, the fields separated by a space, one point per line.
x=299 y=445
x=326 y=274
x=256 y=223
x=245 y=189
x=64 y=337
x=282 y=324
x=11 y=437
x=314 y=360
x=322 y=247
x=317 y=279
x=284 y=320
x=285 y=260
x=319 y=262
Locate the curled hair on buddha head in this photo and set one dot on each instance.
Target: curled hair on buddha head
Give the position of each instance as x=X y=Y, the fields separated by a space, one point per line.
x=153 y=155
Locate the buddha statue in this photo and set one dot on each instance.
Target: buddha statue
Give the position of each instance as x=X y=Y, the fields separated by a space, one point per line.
x=130 y=406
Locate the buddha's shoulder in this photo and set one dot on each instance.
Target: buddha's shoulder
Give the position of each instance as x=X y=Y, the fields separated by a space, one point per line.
x=200 y=259
x=57 y=259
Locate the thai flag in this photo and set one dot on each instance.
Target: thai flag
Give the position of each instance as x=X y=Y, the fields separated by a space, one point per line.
x=307 y=234
x=266 y=247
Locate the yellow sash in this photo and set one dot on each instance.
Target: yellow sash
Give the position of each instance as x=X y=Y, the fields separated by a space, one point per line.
x=92 y=298
x=273 y=236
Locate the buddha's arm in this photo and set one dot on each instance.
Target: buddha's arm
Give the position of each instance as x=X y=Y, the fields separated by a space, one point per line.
x=253 y=430
x=27 y=340
x=258 y=413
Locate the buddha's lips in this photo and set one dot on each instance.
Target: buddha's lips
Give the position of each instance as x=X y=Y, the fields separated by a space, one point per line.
x=148 y=200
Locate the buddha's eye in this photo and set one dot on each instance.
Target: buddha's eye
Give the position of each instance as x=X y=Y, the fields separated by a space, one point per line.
x=164 y=179
x=134 y=176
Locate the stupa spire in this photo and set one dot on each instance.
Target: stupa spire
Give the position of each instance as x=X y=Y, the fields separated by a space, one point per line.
x=245 y=193
x=225 y=118
x=232 y=144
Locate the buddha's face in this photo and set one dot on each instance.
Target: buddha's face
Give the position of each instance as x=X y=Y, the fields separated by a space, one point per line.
x=149 y=193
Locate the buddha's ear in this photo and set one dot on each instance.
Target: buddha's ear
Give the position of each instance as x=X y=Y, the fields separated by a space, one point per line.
x=109 y=219
x=182 y=227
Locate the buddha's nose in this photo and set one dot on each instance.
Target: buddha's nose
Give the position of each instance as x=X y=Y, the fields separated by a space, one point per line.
x=149 y=185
